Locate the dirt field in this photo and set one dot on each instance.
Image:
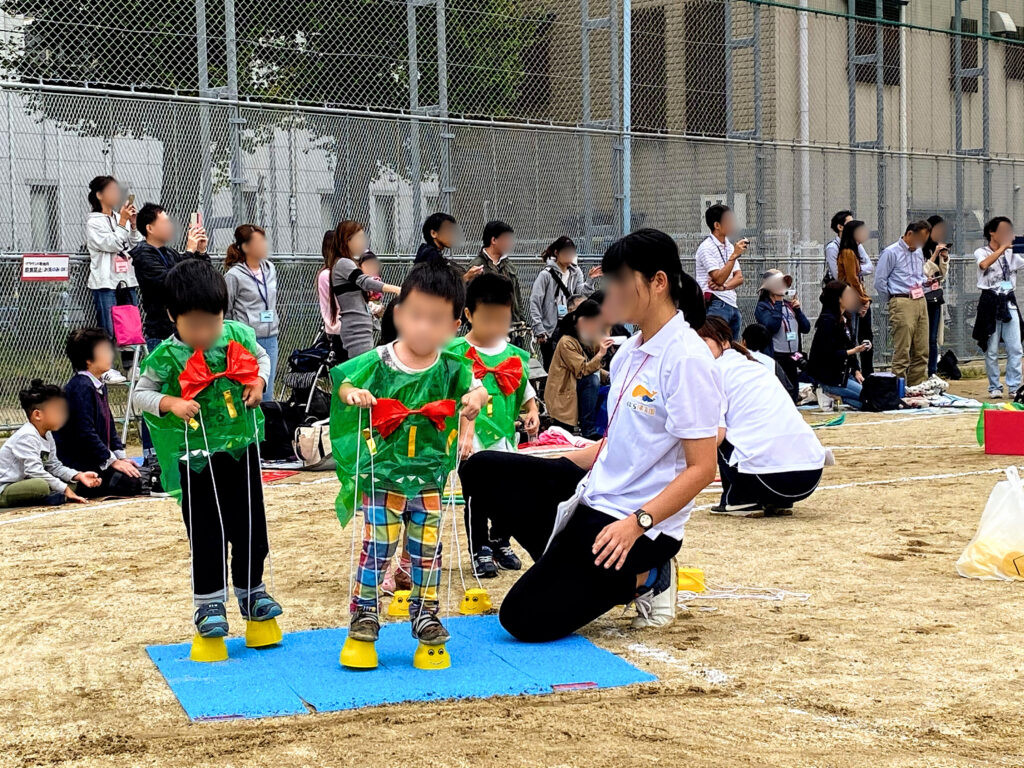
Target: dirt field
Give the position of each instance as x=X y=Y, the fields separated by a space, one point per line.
x=893 y=660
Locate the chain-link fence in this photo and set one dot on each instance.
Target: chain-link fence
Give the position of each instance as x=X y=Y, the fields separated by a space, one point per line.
x=579 y=117
x=35 y=318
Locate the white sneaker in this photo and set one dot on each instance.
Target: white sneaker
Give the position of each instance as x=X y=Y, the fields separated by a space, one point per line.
x=739 y=510
x=113 y=377
x=995 y=394
x=658 y=610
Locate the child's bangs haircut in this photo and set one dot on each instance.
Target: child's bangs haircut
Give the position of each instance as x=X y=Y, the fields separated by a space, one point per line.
x=81 y=346
x=438 y=279
x=195 y=286
x=38 y=394
x=490 y=288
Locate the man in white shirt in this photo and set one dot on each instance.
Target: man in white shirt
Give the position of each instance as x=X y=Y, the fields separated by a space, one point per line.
x=998 y=316
x=718 y=270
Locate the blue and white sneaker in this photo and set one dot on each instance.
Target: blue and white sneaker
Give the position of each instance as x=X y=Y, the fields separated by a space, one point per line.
x=259 y=606
x=211 y=620
x=657 y=606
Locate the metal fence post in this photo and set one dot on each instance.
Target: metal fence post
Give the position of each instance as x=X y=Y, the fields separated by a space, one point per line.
x=203 y=71
x=627 y=116
x=415 y=171
x=446 y=189
x=235 y=121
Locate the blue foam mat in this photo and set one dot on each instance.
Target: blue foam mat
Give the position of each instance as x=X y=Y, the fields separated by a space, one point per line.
x=303 y=674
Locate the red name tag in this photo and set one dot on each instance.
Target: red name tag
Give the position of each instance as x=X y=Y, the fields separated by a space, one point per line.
x=916 y=292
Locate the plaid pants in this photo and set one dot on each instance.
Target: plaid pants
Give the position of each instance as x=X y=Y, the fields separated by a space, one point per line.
x=384 y=514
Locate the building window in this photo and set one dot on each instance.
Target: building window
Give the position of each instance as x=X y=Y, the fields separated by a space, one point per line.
x=1014 y=57
x=43 y=217
x=704 y=24
x=864 y=41
x=253 y=208
x=968 y=54
x=648 y=69
x=384 y=223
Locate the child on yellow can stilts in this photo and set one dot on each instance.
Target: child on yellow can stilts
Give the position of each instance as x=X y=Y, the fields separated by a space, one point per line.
x=399 y=455
x=200 y=392
x=504 y=371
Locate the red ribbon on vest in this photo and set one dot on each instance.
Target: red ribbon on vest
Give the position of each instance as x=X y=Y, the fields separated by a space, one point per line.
x=242 y=367
x=508 y=373
x=387 y=415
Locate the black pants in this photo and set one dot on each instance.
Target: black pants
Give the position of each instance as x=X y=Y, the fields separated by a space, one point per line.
x=113 y=483
x=482 y=531
x=249 y=548
x=777 y=489
x=563 y=590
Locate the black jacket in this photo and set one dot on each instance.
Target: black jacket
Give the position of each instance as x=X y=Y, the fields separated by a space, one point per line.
x=151 y=267
x=992 y=308
x=88 y=438
x=828 y=363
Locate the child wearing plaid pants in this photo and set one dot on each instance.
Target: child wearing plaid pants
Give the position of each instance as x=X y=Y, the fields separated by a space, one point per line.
x=385 y=513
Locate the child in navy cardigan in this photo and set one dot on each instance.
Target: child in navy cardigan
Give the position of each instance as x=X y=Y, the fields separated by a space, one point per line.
x=89 y=439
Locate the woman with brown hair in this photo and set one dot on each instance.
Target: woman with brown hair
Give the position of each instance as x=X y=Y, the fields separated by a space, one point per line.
x=252 y=291
x=347 y=286
x=328 y=307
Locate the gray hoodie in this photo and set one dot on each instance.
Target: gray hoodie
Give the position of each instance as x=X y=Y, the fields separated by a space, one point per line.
x=547 y=297
x=250 y=296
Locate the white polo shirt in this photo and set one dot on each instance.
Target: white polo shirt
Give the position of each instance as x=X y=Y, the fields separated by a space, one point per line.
x=766 y=430
x=711 y=256
x=663 y=391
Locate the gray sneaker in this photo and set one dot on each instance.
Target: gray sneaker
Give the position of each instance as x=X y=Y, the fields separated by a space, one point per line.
x=365 y=626
x=428 y=629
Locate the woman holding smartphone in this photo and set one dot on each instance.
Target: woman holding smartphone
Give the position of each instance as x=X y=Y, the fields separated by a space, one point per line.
x=936 y=265
x=110 y=233
x=614 y=540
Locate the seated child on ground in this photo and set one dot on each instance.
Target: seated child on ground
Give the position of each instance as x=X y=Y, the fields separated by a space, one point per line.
x=200 y=392
x=399 y=453
x=30 y=472
x=504 y=371
x=89 y=439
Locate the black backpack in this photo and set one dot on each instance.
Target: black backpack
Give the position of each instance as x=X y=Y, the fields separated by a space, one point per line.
x=881 y=393
x=949 y=366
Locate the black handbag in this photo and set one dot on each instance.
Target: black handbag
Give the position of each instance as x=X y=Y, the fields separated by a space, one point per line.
x=881 y=392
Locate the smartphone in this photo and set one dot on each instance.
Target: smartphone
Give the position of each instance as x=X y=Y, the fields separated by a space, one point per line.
x=131 y=198
x=1018 y=244
x=195 y=220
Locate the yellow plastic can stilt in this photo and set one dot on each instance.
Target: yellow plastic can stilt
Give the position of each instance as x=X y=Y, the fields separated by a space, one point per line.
x=431 y=657
x=260 y=634
x=475 y=602
x=208 y=649
x=358 y=654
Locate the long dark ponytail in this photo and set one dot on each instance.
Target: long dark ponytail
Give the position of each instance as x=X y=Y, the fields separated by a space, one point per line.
x=650 y=251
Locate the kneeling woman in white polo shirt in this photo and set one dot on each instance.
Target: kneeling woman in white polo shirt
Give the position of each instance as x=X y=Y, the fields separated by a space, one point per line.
x=768 y=457
x=634 y=489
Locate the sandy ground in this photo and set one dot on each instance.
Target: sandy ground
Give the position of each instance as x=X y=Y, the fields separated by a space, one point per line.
x=893 y=660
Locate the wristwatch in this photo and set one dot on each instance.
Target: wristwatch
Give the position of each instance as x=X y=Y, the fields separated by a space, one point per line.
x=644 y=519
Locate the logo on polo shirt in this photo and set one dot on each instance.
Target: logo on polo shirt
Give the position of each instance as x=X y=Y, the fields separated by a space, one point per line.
x=641 y=396
x=644 y=394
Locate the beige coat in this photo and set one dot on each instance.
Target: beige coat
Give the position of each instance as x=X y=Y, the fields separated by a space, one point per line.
x=569 y=364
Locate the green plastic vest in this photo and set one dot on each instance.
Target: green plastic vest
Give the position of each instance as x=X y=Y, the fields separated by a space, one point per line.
x=498 y=419
x=417 y=456
x=230 y=427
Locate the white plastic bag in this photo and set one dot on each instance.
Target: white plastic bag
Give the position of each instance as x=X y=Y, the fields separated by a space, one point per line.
x=997 y=549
